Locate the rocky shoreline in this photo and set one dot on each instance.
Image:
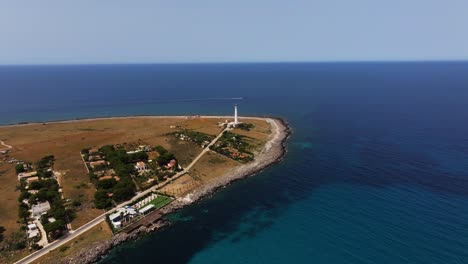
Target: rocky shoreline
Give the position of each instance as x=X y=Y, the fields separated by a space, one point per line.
x=273 y=152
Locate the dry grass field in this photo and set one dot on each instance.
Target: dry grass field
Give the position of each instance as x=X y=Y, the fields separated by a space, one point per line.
x=203 y=125
x=9 y=198
x=212 y=165
x=260 y=132
x=98 y=233
x=65 y=140
x=184 y=151
x=181 y=186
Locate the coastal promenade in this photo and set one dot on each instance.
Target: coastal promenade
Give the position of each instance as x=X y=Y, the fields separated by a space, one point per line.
x=77 y=232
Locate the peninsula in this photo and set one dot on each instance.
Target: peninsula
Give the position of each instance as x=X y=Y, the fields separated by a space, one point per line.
x=75 y=189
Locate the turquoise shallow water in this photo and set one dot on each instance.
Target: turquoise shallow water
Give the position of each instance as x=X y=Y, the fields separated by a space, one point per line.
x=353 y=235
x=376 y=170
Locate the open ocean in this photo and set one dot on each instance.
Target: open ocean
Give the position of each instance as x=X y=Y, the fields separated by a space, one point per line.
x=376 y=170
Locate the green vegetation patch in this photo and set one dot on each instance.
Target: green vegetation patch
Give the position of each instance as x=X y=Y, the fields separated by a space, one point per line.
x=193 y=136
x=46 y=190
x=234 y=146
x=123 y=165
x=245 y=126
x=44 y=166
x=161 y=201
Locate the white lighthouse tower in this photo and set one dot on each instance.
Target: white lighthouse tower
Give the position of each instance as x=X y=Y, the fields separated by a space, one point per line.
x=236 y=121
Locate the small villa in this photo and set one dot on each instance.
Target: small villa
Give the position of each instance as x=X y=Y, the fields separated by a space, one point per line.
x=38 y=209
x=108 y=177
x=32 y=231
x=32 y=179
x=141 y=166
x=171 y=164
x=94 y=164
x=93 y=150
x=24 y=175
x=94 y=158
x=120 y=215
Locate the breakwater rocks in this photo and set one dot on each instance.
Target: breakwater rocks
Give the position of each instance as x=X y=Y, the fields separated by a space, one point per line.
x=95 y=251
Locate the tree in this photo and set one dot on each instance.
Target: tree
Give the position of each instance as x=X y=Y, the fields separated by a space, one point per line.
x=85 y=151
x=23 y=211
x=19 y=245
x=106 y=184
x=138 y=156
x=24 y=195
x=58 y=212
x=92 y=176
x=160 y=149
x=2 y=230
x=102 y=200
x=55 y=229
x=165 y=158
x=123 y=190
x=36 y=246
x=19 y=168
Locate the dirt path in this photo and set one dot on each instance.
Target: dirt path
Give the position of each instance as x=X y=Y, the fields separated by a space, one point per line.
x=5 y=145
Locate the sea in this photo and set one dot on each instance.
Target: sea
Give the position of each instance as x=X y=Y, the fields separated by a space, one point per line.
x=376 y=169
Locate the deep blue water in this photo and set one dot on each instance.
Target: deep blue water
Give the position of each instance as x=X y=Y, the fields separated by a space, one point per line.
x=376 y=170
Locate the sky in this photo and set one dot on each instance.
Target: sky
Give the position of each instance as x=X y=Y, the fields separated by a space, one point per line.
x=176 y=31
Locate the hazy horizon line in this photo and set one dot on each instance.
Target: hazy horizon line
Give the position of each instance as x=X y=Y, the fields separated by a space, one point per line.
x=240 y=62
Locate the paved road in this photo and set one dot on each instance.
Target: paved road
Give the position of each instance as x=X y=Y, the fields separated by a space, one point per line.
x=68 y=237
x=63 y=240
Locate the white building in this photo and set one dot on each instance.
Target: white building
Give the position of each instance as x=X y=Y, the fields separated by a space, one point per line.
x=117 y=217
x=141 y=166
x=24 y=175
x=146 y=209
x=32 y=231
x=38 y=209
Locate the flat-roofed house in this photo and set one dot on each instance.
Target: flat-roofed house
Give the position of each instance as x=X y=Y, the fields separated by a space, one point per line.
x=38 y=209
x=94 y=164
x=32 y=231
x=32 y=179
x=108 y=177
x=95 y=158
x=24 y=175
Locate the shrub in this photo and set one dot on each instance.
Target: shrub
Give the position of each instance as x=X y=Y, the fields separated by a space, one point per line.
x=2 y=230
x=101 y=200
x=19 y=245
x=160 y=149
x=19 y=168
x=106 y=184
x=36 y=246
x=85 y=151
x=63 y=248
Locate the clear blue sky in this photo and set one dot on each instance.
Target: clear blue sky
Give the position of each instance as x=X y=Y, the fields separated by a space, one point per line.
x=132 y=31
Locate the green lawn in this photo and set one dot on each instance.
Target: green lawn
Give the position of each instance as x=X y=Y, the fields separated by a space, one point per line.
x=161 y=201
